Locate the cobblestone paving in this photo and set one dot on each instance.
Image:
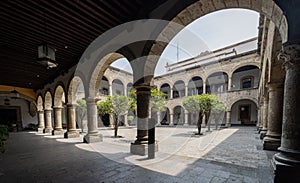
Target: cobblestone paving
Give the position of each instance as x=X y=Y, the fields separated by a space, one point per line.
x=229 y=155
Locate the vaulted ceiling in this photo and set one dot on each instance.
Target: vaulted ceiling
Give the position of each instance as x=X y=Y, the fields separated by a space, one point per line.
x=68 y=25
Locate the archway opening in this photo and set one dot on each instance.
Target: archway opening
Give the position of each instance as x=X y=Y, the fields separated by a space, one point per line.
x=217 y=83
x=195 y=86
x=179 y=89
x=246 y=77
x=166 y=89
x=178 y=115
x=244 y=112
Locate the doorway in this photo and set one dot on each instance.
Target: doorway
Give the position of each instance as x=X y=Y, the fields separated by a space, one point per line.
x=245 y=114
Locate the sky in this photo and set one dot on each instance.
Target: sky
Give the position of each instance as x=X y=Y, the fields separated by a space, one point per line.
x=208 y=33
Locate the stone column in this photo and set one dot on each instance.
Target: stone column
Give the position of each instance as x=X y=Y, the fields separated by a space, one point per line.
x=71 y=122
x=171 y=119
x=41 y=121
x=48 y=121
x=158 y=118
x=57 y=121
x=264 y=129
x=260 y=126
x=273 y=136
x=186 y=118
x=126 y=120
x=171 y=93
x=143 y=94
x=186 y=90
x=229 y=83
x=287 y=162
x=228 y=118
x=125 y=90
x=110 y=89
x=92 y=119
x=258 y=119
x=204 y=87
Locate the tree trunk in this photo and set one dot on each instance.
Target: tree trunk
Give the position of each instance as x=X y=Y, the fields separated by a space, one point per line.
x=116 y=125
x=199 y=123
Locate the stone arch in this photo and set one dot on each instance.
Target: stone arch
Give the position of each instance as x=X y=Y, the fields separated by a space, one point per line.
x=203 y=7
x=178 y=115
x=233 y=101
x=195 y=86
x=166 y=88
x=48 y=100
x=59 y=96
x=40 y=103
x=104 y=86
x=129 y=87
x=179 y=89
x=244 y=111
x=217 y=82
x=257 y=64
x=72 y=89
x=244 y=77
x=165 y=116
x=118 y=86
x=98 y=72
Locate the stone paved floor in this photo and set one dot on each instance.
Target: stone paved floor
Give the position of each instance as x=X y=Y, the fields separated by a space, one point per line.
x=229 y=155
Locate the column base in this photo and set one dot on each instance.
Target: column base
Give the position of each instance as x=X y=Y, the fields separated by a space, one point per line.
x=271 y=143
x=47 y=130
x=92 y=138
x=141 y=149
x=228 y=125
x=40 y=130
x=286 y=168
x=71 y=134
x=262 y=133
x=58 y=132
x=186 y=124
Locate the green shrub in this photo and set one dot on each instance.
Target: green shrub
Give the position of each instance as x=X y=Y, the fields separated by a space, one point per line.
x=3 y=136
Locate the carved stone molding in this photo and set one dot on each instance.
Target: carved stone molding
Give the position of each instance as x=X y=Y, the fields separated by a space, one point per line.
x=290 y=54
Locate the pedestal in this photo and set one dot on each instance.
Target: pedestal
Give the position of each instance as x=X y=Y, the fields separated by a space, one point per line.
x=271 y=143
x=58 y=132
x=71 y=134
x=40 y=130
x=92 y=138
x=286 y=168
x=141 y=149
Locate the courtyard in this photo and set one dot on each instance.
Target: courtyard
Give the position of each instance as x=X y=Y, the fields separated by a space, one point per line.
x=227 y=155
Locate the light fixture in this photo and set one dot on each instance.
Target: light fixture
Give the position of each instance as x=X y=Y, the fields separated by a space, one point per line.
x=6 y=101
x=46 y=56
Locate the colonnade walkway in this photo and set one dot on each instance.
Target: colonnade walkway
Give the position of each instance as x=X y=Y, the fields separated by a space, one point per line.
x=229 y=155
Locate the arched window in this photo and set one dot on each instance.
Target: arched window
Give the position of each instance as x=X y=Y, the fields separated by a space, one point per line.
x=247 y=82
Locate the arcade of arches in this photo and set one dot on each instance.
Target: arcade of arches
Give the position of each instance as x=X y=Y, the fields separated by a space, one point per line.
x=259 y=87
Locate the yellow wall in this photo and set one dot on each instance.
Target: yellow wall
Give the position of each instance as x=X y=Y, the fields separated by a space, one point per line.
x=25 y=91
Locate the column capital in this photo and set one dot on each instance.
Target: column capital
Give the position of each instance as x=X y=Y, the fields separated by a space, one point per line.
x=143 y=88
x=71 y=105
x=57 y=107
x=91 y=100
x=45 y=110
x=290 y=54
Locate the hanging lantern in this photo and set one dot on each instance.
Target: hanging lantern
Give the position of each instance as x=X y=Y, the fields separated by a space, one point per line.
x=6 y=101
x=46 y=56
